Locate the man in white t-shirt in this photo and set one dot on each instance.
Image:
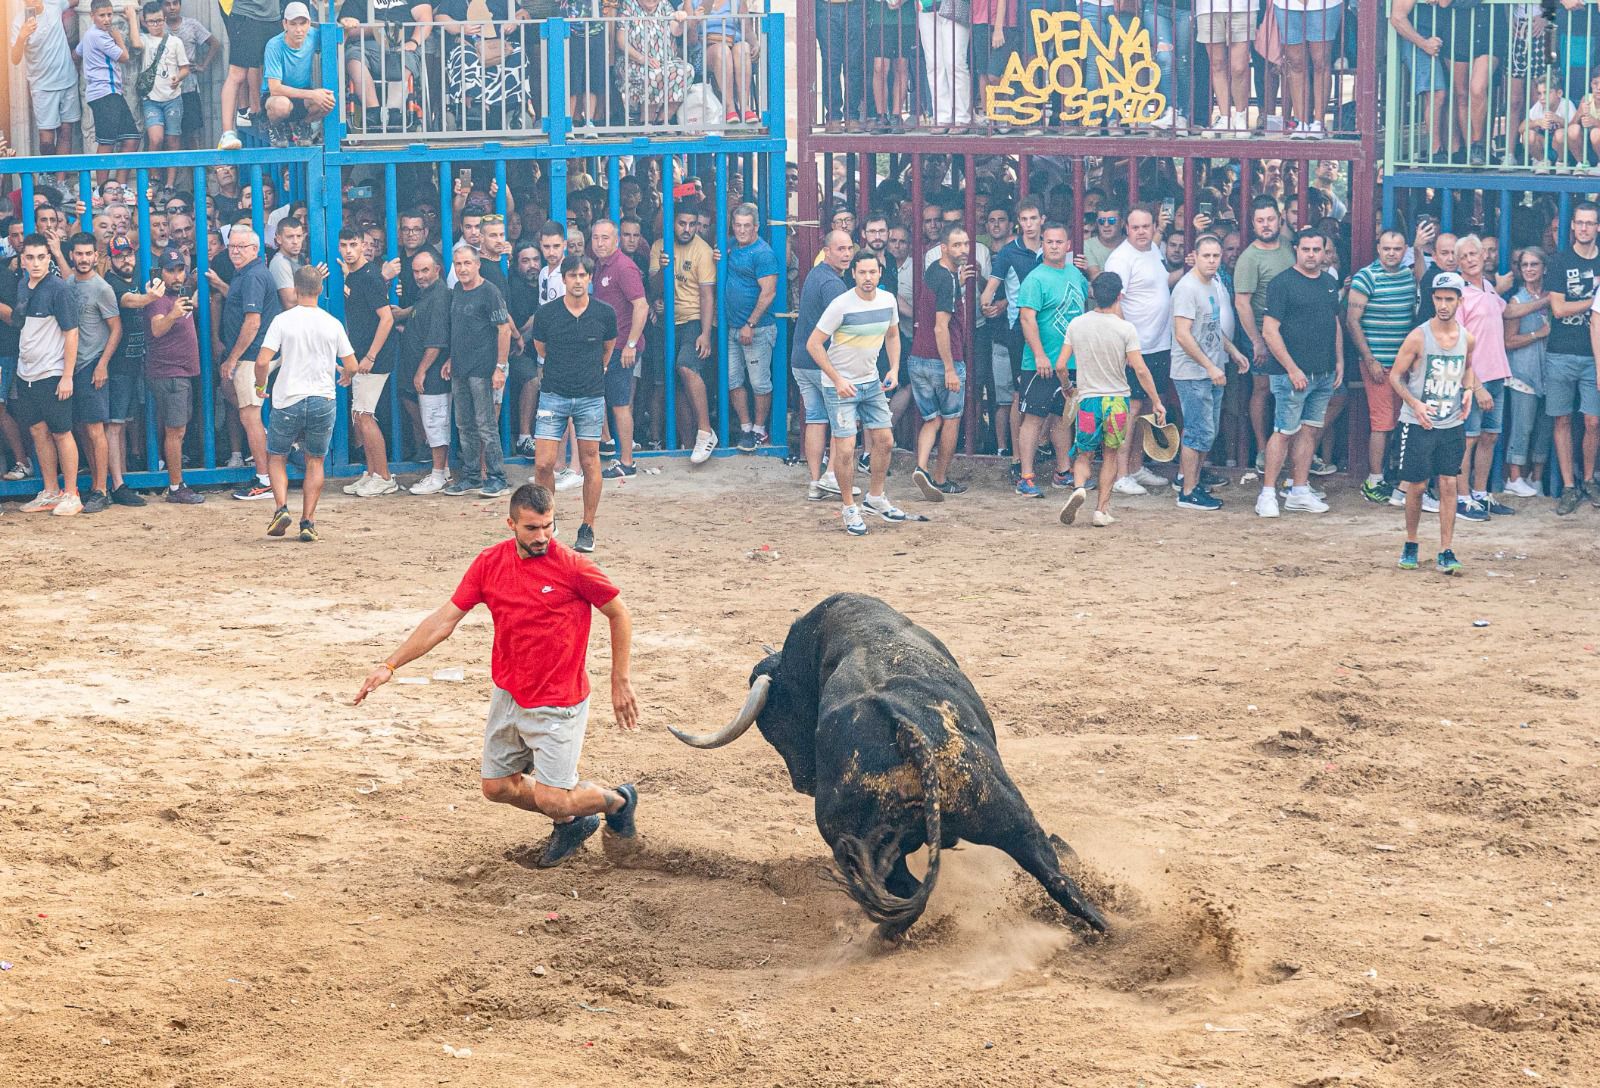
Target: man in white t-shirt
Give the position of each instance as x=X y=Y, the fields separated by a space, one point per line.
x=845 y=344
x=1147 y=305
x=1104 y=351
x=310 y=342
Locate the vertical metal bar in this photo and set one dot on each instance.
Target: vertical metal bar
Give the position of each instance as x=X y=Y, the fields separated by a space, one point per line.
x=333 y=208
x=614 y=188
x=27 y=203
x=330 y=37
x=806 y=79
x=202 y=258
x=970 y=411
x=1447 y=210
x=722 y=293
x=501 y=203
x=391 y=251
x=1075 y=228
x=557 y=122
x=257 y=216
x=864 y=187
x=447 y=241
x=1504 y=231
x=1388 y=203
x=1023 y=162
x=1133 y=181
x=1186 y=221
x=558 y=192
x=86 y=198
x=142 y=207
x=777 y=214
x=669 y=332
x=1564 y=225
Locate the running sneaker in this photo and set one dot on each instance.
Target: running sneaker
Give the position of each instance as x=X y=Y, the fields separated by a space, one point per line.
x=1594 y=492
x=1103 y=518
x=1075 y=501
x=235 y=460
x=1305 y=502
x=880 y=505
x=1430 y=503
x=68 y=506
x=1014 y=471
x=864 y=462
x=1266 y=505
x=925 y=484
x=830 y=483
x=1061 y=481
x=95 y=502
x=355 y=486
x=1521 y=488
x=567 y=479
x=747 y=441
x=1261 y=461
x=252 y=491
x=123 y=495
x=951 y=487
x=1448 y=563
x=19 y=471
x=1028 y=489
x=1470 y=510
x=1380 y=492
x=378 y=485
x=229 y=141
x=184 y=495
x=431 y=484
x=1286 y=485
x=1211 y=480
x=1397 y=497
x=525 y=446
x=494 y=487
x=620 y=822
x=1127 y=485
x=585 y=541
x=280 y=521
x=565 y=839
x=43 y=502
x=1149 y=479
x=1198 y=499
x=1495 y=507
x=815 y=492
x=854 y=524
x=1319 y=467
x=1408 y=557
x=1566 y=504
x=465 y=486
x=619 y=471
x=704 y=443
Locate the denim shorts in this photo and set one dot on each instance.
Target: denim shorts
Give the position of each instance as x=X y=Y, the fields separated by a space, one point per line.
x=165 y=115
x=1427 y=73
x=8 y=373
x=308 y=421
x=1004 y=381
x=869 y=408
x=927 y=388
x=127 y=395
x=1569 y=379
x=1202 y=412
x=812 y=383
x=1480 y=421
x=1297 y=26
x=752 y=362
x=620 y=381
x=585 y=413
x=1308 y=407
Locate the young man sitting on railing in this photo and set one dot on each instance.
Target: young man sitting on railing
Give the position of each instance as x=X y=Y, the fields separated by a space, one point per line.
x=289 y=70
x=384 y=40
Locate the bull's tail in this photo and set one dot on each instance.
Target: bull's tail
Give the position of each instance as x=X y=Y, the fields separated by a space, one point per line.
x=864 y=865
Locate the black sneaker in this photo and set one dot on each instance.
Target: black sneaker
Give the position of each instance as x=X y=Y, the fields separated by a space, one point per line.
x=619 y=471
x=1496 y=507
x=1569 y=500
x=608 y=448
x=585 y=541
x=1210 y=479
x=184 y=495
x=525 y=446
x=95 y=502
x=252 y=491
x=930 y=490
x=280 y=521
x=1593 y=491
x=950 y=487
x=747 y=441
x=565 y=840
x=1014 y=471
x=308 y=532
x=123 y=495
x=620 y=822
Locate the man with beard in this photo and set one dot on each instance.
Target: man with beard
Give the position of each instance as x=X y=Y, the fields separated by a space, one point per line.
x=99 y=334
x=694 y=304
x=424 y=351
x=522 y=300
x=127 y=366
x=618 y=284
x=171 y=363
x=1262 y=261
x=289 y=259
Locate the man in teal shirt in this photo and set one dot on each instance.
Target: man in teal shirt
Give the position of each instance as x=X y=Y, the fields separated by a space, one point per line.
x=1051 y=296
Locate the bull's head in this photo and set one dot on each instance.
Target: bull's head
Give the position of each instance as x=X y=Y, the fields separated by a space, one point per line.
x=786 y=712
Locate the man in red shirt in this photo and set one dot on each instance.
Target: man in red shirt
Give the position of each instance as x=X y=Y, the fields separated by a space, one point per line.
x=540 y=594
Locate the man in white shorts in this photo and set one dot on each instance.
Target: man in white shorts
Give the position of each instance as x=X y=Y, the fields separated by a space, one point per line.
x=425 y=349
x=540 y=595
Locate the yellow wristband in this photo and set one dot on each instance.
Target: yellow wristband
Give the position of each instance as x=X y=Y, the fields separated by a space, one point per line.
x=386 y=665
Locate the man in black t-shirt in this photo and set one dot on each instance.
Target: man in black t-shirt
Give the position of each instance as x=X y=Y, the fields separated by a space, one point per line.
x=1570 y=379
x=368 y=320
x=10 y=336
x=574 y=335
x=424 y=351
x=127 y=365
x=478 y=365
x=1303 y=335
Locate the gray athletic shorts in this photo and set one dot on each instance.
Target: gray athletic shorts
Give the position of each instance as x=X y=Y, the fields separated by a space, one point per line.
x=543 y=740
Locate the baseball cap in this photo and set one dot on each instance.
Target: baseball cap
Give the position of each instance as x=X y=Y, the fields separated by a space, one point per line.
x=1449 y=281
x=172 y=257
x=294 y=11
x=121 y=245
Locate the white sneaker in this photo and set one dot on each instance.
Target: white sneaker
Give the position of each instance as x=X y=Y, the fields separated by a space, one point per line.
x=1305 y=502
x=704 y=443
x=567 y=479
x=19 y=471
x=1127 y=485
x=1430 y=504
x=229 y=141
x=1103 y=518
x=1164 y=121
x=431 y=484
x=1397 y=497
x=1266 y=505
x=236 y=460
x=68 y=506
x=355 y=488
x=377 y=485
x=1239 y=121
x=1151 y=479
x=830 y=484
x=1521 y=488
x=43 y=502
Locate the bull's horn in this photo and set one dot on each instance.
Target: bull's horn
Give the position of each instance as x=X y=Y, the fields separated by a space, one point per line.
x=736 y=728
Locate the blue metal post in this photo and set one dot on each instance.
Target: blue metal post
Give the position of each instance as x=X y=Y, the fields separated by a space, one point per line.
x=447 y=215
x=1564 y=227
x=332 y=203
x=27 y=203
x=1505 y=231
x=1388 y=203
x=86 y=198
x=669 y=332
x=1447 y=210
x=614 y=189
x=391 y=251
x=722 y=291
x=329 y=37
x=202 y=258
x=775 y=189
x=142 y=179
x=557 y=121
x=558 y=191
x=501 y=203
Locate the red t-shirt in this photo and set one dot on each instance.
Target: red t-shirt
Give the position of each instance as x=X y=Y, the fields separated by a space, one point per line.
x=541 y=610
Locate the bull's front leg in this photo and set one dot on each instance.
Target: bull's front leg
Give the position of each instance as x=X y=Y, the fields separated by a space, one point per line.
x=1007 y=823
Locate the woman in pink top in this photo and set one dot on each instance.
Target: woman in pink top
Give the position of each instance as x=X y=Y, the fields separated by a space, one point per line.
x=1482 y=313
x=995 y=38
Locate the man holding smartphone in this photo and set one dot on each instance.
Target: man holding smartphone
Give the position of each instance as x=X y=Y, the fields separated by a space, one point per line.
x=172 y=363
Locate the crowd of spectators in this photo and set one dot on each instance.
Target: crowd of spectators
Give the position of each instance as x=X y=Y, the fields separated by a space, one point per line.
x=409 y=67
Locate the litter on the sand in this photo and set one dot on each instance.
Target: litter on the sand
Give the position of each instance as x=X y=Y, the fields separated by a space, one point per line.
x=1213 y=1027
x=411 y=680
x=449 y=675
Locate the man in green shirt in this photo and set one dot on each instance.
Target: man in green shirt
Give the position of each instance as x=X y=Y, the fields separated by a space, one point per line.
x=1258 y=266
x=1378 y=316
x=1051 y=296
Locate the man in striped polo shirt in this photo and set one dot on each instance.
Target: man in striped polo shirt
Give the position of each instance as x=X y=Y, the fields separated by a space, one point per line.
x=1378 y=313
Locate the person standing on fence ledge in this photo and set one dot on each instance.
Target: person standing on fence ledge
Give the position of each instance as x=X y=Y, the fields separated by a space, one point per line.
x=47 y=353
x=39 y=42
x=311 y=342
x=251 y=25
x=539 y=595
x=247 y=311
x=103 y=49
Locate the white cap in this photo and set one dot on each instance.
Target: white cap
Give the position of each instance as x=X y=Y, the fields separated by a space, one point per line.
x=296 y=10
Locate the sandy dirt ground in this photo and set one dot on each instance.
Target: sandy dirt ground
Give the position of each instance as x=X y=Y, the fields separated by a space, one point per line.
x=1348 y=837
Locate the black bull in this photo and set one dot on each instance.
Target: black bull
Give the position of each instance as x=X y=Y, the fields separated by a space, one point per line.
x=873 y=718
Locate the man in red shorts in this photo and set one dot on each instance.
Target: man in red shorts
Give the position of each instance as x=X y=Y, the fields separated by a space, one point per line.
x=540 y=594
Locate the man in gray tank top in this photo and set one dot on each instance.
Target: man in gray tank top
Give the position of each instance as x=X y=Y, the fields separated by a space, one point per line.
x=1432 y=375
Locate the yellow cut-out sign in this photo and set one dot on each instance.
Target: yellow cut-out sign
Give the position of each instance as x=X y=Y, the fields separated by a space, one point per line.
x=1067 y=46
